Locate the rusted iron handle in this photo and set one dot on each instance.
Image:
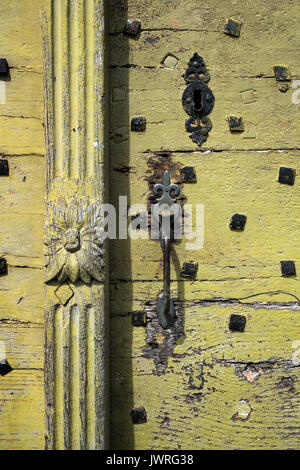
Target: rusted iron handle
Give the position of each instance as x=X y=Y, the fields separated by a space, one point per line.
x=165 y=305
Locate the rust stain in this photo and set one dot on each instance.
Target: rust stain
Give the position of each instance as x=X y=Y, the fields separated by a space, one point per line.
x=160 y=343
x=252 y=372
x=175 y=23
x=158 y=163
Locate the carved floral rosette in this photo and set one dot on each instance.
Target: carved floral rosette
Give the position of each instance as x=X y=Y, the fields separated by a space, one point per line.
x=74 y=241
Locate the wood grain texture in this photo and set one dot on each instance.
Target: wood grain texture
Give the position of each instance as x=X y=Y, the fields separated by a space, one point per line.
x=22 y=410
x=76 y=338
x=22 y=197
x=220 y=389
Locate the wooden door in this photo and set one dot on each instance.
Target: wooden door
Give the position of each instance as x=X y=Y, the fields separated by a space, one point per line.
x=22 y=190
x=212 y=381
x=52 y=150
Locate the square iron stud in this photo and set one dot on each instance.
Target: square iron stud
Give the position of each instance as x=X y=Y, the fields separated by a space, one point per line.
x=138 y=124
x=188 y=174
x=286 y=175
x=288 y=268
x=281 y=73
x=132 y=27
x=237 y=322
x=4 y=69
x=4 y=170
x=138 y=415
x=189 y=269
x=237 y=222
x=232 y=27
x=3 y=267
x=4 y=367
x=236 y=124
x=138 y=318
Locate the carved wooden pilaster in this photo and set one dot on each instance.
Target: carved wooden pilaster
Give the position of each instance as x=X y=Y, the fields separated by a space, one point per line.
x=75 y=313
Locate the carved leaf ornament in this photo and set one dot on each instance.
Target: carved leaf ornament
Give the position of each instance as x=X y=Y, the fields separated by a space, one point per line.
x=74 y=241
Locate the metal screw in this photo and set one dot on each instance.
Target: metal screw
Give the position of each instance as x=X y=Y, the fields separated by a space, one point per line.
x=236 y=124
x=232 y=27
x=5 y=368
x=237 y=222
x=138 y=124
x=138 y=318
x=189 y=269
x=3 y=267
x=138 y=415
x=288 y=268
x=4 y=170
x=286 y=175
x=132 y=27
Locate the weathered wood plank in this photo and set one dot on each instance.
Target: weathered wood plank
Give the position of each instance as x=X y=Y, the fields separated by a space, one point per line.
x=22 y=409
x=196 y=387
x=20 y=41
x=243 y=290
x=224 y=56
x=262 y=20
x=21 y=291
x=224 y=188
x=25 y=227
x=226 y=412
x=19 y=136
x=23 y=95
x=270 y=335
x=24 y=343
x=270 y=117
x=21 y=191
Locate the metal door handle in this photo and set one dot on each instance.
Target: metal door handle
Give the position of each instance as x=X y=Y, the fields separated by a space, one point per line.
x=165 y=305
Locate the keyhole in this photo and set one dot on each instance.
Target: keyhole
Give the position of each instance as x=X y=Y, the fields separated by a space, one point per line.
x=197 y=100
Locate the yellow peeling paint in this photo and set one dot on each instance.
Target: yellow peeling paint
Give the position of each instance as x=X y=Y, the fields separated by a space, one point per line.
x=22 y=406
x=220 y=389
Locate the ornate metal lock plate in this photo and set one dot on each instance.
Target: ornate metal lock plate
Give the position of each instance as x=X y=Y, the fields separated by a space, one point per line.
x=197 y=99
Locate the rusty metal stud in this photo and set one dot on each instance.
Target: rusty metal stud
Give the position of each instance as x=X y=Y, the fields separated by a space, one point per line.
x=237 y=222
x=189 y=269
x=138 y=124
x=232 y=27
x=138 y=415
x=236 y=124
x=237 y=322
x=286 y=175
x=4 y=69
x=5 y=368
x=283 y=87
x=3 y=267
x=132 y=27
x=288 y=268
x=4 y=170
x=138 y=318
x=188 y=174
x=281 y=73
